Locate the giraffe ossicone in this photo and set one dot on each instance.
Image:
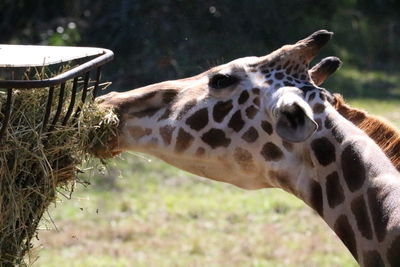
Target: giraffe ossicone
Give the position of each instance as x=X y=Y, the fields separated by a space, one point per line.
x=260 y=122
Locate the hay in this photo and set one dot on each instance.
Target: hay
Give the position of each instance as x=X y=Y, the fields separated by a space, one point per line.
x=35 y=164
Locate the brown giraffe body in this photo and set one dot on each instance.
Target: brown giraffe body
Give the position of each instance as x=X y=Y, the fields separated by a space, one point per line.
x=261 y=122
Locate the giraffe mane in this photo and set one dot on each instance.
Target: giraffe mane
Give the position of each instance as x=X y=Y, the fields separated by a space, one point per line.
x=385 y=135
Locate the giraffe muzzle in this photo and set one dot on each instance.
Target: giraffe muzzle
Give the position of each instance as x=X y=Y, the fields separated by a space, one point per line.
x=110 y=148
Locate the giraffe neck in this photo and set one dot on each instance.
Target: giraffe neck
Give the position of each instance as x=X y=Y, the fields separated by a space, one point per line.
x=355 y=189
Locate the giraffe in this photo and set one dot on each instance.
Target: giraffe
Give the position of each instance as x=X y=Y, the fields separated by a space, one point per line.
x=382 y=132
x=264 y=122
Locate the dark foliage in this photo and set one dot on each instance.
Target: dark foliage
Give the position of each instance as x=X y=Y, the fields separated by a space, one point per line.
x=166 y=39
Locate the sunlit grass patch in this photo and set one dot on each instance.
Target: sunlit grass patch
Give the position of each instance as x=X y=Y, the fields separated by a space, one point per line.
x=358 y=83
x=162 y=216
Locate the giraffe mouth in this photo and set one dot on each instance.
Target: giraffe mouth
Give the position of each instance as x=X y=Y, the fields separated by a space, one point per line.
x=107 y=150
x=110 y=148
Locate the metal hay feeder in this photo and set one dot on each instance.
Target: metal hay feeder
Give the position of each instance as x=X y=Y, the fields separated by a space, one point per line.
x=16 y=57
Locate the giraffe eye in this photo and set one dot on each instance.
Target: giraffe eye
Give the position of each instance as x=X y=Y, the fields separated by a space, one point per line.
x=220 y=81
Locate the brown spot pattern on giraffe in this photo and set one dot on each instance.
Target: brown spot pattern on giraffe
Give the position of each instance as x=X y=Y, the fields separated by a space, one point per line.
x=316 y=201
x=271 y=152
x=146 y=96
x=311 y=97
x=353 y=168
x=183 y=140
x=288 y=83
x=166 y=133
x=251 y=135
x=328 y=123
x=307 y=88
x=337 y=134
x=256 y=102
x=244 y=96
x=236 y=122
x=165 y=115
x=359 y=209
x=143 y=113
x=322 y=96
x=393 y=252
x=323 y=150
x=318 y=108
x=256 y=91
x=137 y=132
x=379 y=219
x=198 y=120
x=334 y=190
x=251 y=112
x=372 y=258
x=279 y=75
x=287 y=145
x=188 y=106
x=215 y=138
x=221 y=109
x=265 y=70
x=169 y=96
x=286 y=64
x=345 y=232
x=375 y=128
x=271 y=64
x=244 y=159
x=267 y=127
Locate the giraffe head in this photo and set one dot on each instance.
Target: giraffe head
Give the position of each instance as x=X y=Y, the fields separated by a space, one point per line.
x=238 y=123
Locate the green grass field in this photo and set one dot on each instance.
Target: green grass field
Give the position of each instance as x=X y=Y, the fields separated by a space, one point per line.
x=142 y=212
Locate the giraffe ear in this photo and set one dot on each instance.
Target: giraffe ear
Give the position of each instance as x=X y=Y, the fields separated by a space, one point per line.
x=294 y=121
x=320 y=72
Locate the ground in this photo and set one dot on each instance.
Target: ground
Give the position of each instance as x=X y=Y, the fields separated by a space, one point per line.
x=143 y=212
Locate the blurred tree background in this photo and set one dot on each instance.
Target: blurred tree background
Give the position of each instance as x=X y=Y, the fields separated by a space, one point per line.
x=156 y=40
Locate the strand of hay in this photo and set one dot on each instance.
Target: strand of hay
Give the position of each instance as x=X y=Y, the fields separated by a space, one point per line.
x=35 y=164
